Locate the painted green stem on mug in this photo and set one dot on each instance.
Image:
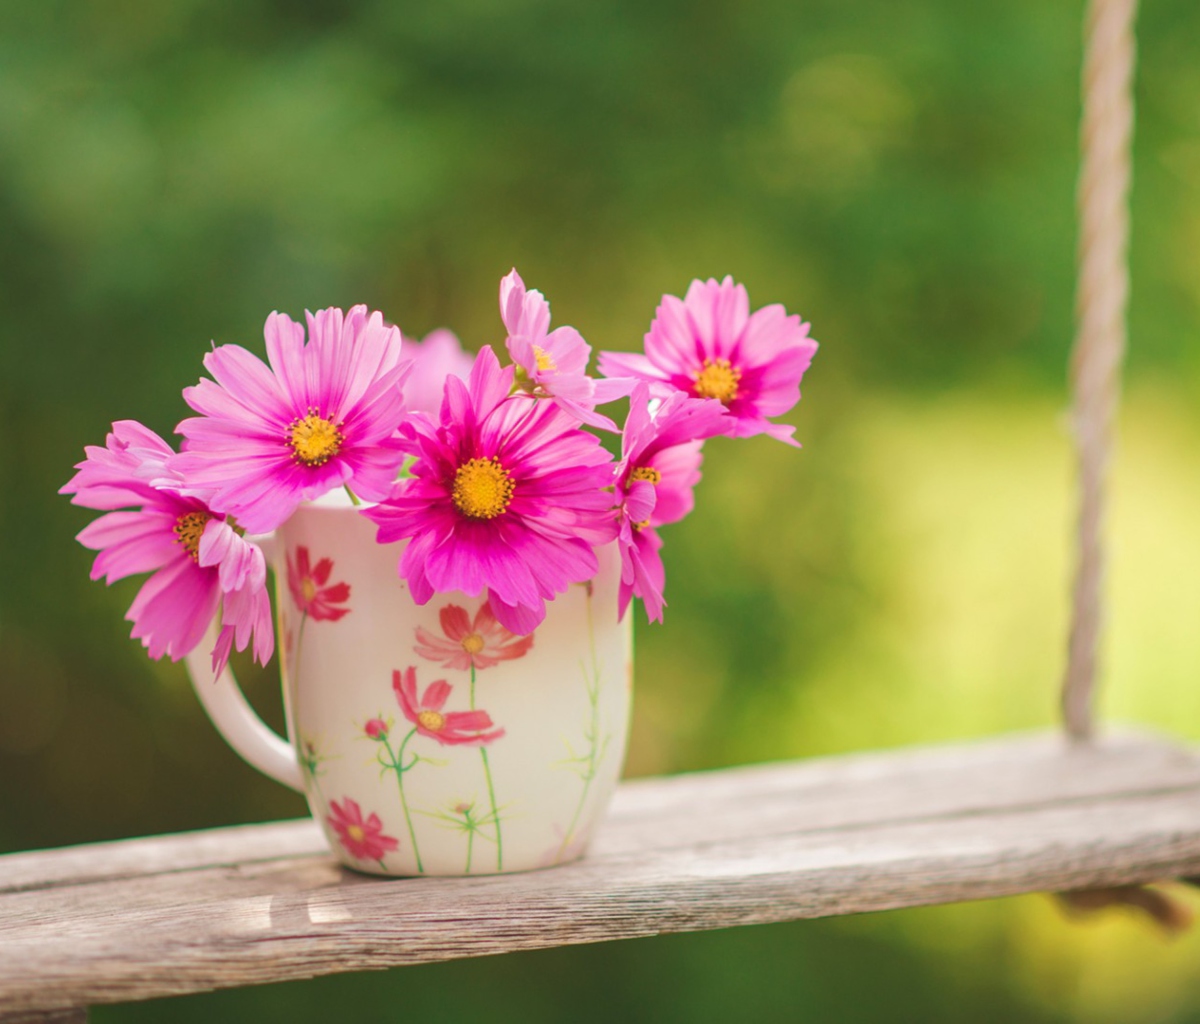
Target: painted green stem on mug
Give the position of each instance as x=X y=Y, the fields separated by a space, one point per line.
x=398 y=764
x=487 y=774
x=591 y=733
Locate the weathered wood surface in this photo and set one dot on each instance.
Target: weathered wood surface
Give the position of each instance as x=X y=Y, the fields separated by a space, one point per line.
x=143 y=918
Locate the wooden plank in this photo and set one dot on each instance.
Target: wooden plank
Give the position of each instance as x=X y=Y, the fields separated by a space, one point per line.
x=710 y=850
x=835 y=791
x=134 y=858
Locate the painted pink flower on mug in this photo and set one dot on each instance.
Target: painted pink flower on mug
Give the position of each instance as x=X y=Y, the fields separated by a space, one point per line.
x=450 y=728
x=307 y=583
x=466 y=642
x=363 y=838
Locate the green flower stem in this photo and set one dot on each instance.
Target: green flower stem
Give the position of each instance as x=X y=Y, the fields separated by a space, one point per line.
x=353 y=497
x=398 y=765
x=487 y=774
x=470 y=840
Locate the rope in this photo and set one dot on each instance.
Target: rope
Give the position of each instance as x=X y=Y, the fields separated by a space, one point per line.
x=1102 y=291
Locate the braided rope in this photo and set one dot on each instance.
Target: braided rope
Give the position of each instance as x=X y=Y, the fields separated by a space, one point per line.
x=1102 y=292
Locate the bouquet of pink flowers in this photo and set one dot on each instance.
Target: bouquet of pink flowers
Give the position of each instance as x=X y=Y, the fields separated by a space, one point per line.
x=485 y=469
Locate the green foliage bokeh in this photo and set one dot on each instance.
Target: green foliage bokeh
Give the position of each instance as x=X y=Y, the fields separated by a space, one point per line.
x=901 y=175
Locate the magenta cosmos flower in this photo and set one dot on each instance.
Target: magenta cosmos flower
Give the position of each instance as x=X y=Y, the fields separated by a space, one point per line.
x=553 y=364
x=362 y=837
x=198 y=561
x=450 y=728
x=321 y=415
x=507 y=495
x=467 y=643
x=660 y=467
x=437 y=356
x=709 y=345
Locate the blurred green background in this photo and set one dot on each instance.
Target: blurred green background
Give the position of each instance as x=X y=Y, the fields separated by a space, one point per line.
x=902 y=175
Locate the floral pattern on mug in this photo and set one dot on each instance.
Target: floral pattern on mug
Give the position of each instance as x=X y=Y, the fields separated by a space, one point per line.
x=469 y=643
x=377 y=729
x=450 y=728
x=307 y=585
x=362 y=838
x=463 y=816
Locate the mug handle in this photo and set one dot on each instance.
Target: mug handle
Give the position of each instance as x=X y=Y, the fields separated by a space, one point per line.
x=235 y=719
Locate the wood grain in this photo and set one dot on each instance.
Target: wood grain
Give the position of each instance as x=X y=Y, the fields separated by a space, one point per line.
x=232 y=907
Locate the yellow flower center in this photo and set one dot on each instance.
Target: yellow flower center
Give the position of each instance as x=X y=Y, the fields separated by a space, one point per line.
x=356 y=833
x=308 y=588
x=641 y=525
x=315 y=440
x=718 y=379
x=431 y=720
x=472 y=643
x=544 y=360
x=188 y=529
x=646 y=473
x=482 y=488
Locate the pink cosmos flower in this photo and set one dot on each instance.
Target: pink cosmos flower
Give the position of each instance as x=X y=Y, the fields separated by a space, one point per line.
x=320 y=416
x=307 y=585
x=438 y=356
x=197 y=560
x=553 y=364
x=480 y=642
x=709 y=345
x=660 y=466
x=450 y=728
x=364 y=839
x=508 y=496
x=376 y=729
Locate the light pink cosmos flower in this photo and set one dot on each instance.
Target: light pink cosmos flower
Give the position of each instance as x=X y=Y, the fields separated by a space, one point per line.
x=198 y=561
x=467 y=643
x=553 y=364
x=320 y=416
x=449 y=728
x=507 y=495
x=660 y=467
x=437 y=356
x=709 y=345
x=362 y=837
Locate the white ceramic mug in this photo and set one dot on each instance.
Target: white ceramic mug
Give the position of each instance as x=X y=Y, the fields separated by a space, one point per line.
x=429 y=739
